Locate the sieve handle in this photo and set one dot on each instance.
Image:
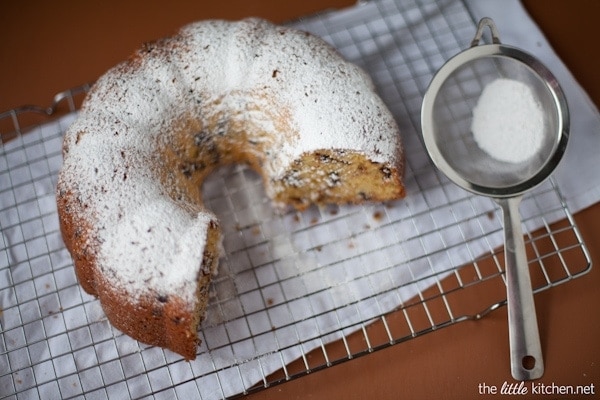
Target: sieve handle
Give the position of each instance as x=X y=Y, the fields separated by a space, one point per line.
x=525 y=349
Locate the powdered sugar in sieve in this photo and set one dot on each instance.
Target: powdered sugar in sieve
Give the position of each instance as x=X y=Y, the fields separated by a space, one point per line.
x=508 y=121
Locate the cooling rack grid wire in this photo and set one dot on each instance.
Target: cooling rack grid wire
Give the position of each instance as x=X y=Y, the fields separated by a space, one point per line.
x=296 y=292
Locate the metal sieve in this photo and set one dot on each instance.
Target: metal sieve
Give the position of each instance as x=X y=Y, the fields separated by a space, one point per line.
x=446 y=117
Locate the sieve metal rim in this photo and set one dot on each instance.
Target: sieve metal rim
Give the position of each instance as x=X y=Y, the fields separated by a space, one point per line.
x=532 y=63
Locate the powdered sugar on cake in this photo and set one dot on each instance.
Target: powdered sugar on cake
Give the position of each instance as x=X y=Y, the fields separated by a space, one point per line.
x=210 y=69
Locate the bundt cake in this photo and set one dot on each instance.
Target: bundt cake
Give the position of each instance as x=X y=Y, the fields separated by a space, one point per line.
x=152 y=128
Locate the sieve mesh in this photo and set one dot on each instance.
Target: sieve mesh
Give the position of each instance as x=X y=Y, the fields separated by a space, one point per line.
x=452 y=113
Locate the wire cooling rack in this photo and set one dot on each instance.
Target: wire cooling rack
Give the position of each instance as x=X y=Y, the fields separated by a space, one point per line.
x=296 y=292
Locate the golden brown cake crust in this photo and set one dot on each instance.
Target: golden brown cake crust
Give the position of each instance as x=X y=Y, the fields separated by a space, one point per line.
x=155 y=320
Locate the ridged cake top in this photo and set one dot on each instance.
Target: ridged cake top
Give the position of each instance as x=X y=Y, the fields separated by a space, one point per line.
x=289 y=87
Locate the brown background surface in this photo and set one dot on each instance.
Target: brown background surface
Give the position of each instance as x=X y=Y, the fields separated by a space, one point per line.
x=47 y=47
